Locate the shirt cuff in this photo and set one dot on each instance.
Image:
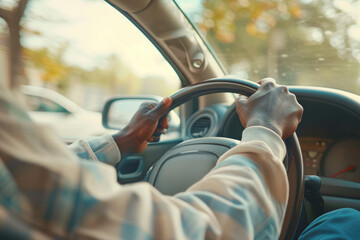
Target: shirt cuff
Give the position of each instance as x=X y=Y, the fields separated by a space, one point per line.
x=268 y=136
x=105 y=149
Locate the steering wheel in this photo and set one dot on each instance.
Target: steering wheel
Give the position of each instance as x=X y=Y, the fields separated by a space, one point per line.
x=189 y=161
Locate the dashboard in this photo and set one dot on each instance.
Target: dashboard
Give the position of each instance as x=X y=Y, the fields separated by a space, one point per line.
x=330 y=158
x=329 y=133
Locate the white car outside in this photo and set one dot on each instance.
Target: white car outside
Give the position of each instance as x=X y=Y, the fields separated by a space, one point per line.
x=68 y=119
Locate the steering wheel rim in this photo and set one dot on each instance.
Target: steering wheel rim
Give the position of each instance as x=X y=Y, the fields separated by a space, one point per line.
x=215 y=85
x=295 y=170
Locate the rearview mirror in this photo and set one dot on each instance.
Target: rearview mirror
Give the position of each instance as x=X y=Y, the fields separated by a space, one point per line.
x=118 y=111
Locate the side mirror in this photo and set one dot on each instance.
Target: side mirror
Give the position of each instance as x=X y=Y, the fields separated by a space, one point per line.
x=118 y=111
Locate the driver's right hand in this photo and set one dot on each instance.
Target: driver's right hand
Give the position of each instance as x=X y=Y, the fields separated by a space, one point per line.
x=271 y=106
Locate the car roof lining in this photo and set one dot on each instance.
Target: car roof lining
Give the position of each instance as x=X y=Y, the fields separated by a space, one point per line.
x=131 y=6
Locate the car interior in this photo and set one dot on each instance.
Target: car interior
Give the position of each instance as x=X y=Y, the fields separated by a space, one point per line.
x=323 y=157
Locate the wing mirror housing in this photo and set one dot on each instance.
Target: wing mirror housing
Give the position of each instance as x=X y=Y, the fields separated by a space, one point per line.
x=118 y=111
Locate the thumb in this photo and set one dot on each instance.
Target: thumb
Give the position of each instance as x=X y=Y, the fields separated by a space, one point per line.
x=162 y=108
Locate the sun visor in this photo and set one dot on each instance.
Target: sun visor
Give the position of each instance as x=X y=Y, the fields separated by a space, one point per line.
x=131 y=6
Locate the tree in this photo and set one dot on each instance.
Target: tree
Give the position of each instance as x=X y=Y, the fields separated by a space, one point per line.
x=51 y=65
x=293 y=41
x=113 y=75
x=13 y=17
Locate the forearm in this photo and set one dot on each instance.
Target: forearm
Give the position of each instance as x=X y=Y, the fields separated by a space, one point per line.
x=234 y=199
x=247 y=191
x=266 y=150
x=245 y=195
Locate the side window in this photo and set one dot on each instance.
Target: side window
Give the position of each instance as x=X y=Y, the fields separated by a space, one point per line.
x=40 y=104
x=87 y=52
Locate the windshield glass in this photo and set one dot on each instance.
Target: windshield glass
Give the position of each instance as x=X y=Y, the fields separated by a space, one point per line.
x=297 y=42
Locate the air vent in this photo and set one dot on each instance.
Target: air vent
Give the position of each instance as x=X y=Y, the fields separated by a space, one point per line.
x=200 y=127
x=203 y=123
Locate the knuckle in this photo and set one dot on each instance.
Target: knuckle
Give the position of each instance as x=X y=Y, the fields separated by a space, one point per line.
x=268 y=79
x=301 y=109
x=292 y=97
x=149 y=105
x=144 y=104
x=241 y=100
x=268 y=85
x=284 y=89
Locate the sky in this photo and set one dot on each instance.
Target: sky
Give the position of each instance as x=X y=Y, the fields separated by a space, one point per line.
x=94 y=30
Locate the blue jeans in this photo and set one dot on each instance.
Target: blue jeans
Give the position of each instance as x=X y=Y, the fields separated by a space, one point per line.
x=339 y=224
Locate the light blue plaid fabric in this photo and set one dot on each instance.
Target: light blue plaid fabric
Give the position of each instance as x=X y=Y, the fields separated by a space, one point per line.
x=50 y=192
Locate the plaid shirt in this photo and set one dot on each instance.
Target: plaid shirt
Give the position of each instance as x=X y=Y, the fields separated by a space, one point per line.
x=48 y=191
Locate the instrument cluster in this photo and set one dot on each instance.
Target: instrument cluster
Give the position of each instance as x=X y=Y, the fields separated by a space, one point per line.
x=332 y=158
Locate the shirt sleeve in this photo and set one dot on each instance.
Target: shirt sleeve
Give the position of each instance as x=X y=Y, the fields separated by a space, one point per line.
x=247 y=191
x=244 y=195
x=103 y=149
x=49 y=189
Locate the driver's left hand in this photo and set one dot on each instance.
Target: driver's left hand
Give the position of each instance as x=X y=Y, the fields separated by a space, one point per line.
x=146 y=125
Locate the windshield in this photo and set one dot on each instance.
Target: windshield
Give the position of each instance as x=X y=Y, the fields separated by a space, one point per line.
x=297 y=42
